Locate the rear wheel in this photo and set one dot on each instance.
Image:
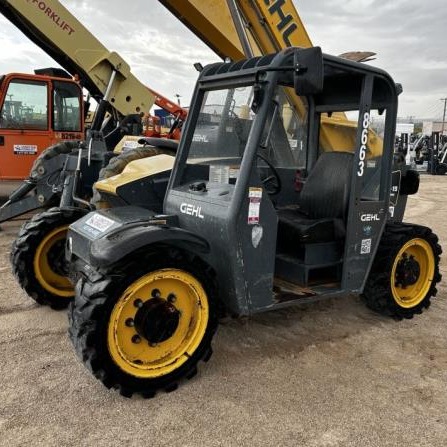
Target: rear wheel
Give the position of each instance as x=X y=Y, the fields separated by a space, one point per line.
x=145 y=324
x=405 y=271
x=38 y=257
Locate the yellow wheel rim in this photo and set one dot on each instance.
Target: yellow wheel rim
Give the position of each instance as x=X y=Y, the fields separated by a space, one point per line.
x=420 y=251
x=47 y=277
x=131 y=350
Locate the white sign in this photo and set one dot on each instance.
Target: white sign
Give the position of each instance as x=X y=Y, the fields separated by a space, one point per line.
x=100 y=222
x=25 y=149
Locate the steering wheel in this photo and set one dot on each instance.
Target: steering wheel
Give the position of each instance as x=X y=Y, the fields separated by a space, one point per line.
x=274 y=180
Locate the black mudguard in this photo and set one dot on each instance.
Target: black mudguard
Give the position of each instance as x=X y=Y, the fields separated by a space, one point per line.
x=104 y=237
x=107 y=251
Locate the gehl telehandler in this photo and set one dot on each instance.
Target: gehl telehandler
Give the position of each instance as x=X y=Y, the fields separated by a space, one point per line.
x=260 y=213
x=64 y=174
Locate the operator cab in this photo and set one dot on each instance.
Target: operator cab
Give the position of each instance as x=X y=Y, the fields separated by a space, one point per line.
x=265 y=178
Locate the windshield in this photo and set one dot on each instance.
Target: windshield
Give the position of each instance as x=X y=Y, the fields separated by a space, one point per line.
x=220 y=136
x=222 y=131
x=223 y=125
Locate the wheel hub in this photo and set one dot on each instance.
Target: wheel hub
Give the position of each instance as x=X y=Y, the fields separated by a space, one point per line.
x=156 y=319
x=408 y=271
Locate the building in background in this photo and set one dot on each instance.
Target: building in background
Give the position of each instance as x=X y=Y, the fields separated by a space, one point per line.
x=428 y=127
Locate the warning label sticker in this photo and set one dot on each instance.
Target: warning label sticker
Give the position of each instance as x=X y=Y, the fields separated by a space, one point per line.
x=130 y=144
x=255 y=193
x=25 y=149
x=253 y=212
x=219 y=174
x=254 y=205
x=99 y=222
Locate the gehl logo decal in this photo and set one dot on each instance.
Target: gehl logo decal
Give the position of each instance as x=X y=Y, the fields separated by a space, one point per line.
x=191 y=210
x=286 y=26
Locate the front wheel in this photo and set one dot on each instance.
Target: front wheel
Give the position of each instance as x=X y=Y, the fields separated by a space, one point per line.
x=38 y=257
x=405 y=271
x=145 y=324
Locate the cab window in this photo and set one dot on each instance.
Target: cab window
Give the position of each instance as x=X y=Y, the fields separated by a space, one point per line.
x=25 y=106
x=66 y=107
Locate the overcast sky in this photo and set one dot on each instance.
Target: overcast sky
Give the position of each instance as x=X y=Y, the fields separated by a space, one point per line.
x=409 y=37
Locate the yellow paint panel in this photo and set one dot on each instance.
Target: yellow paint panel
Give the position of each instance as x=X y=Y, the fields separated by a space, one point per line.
x=211 y=21
x=275 y=25
x=136 y=170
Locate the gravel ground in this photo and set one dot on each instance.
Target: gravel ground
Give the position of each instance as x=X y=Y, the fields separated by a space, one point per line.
x=326 y=374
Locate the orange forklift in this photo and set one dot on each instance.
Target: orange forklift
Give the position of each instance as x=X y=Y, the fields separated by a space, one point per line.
x=36 y=111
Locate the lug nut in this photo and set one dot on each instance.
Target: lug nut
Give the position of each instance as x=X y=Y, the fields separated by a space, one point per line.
x=136 y=339
x=155 y=293
x=130 y=322
x=172 y=298
x=152 y=345
x=138 y=303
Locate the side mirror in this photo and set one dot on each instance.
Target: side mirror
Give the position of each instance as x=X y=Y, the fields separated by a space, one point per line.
x=308 y=76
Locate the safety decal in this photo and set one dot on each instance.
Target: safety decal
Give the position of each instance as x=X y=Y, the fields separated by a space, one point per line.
x=99 y=222
x=25 y=149
x=219 y=174
x=255 y=193
x=129 y=145
x=254 y=205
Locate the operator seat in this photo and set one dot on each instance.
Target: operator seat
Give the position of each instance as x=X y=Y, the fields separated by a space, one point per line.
x=324 y=199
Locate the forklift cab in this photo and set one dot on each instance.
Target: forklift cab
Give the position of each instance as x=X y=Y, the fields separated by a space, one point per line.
x=288 y=211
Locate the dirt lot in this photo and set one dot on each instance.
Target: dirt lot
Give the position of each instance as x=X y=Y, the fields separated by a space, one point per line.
x=328 y=374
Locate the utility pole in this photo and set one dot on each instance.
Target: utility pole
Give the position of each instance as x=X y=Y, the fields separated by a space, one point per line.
x=443 y=116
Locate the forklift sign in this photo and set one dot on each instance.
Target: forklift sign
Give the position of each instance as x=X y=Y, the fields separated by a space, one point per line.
x=25 y=149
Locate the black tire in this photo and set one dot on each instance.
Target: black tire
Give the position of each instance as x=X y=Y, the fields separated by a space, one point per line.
x=91 y=314
x=30 y=276
x=38 y=170
x=382 y=290
x=441 y=169
x=117 y=164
